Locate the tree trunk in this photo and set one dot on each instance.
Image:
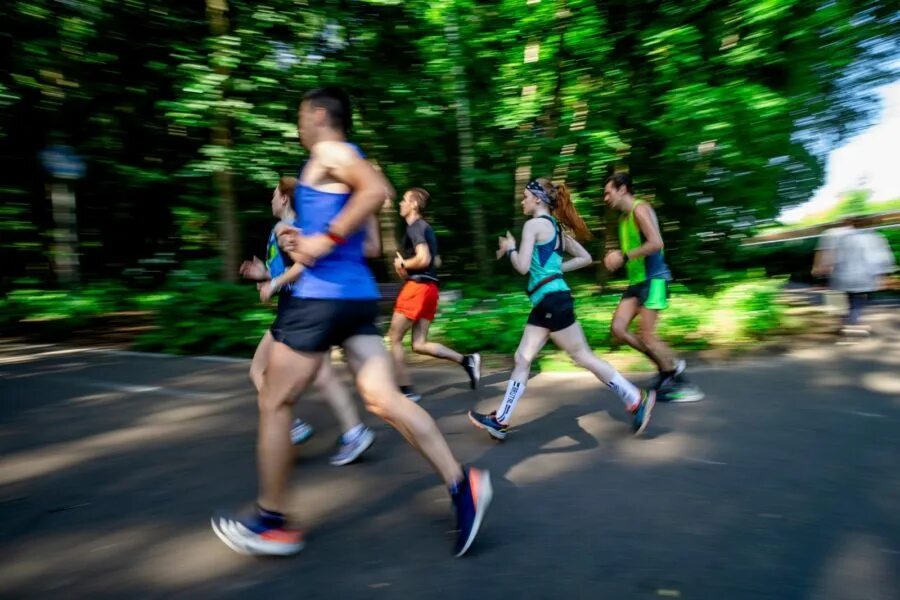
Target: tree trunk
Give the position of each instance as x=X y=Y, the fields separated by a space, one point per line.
x=223 y=179
x=387 y=222
x=466 y=144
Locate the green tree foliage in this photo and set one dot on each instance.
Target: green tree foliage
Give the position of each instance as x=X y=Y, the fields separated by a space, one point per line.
x=723 y=111
x=851 y=203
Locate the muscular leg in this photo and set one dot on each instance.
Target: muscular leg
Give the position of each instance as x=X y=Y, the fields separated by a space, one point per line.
x=260 y=359
x=288 y=374
x=338 y=396
x=657 y=350
x=421 y=345
x=572 y=341
x=625 y=313
x=533 y=339
x=384 y=399
x=399 y=326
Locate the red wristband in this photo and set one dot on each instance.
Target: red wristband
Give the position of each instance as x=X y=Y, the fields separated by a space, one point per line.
x=338 y=240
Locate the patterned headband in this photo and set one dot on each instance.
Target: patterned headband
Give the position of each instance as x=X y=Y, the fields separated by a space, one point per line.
x=538 y=190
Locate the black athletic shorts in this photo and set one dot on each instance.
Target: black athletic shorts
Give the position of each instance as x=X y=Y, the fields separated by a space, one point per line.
x=555 y=311
x=314 y=325
x=652 y=293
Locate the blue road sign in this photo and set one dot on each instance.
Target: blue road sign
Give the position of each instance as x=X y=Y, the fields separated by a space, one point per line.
x=62 y=162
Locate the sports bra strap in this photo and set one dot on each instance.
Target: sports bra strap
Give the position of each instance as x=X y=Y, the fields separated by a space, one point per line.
x=558 y=246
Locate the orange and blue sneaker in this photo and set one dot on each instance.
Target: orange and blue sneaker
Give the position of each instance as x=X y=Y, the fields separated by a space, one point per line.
x=641 y=414
x=489 y=423
x=471 y=498
x=258 y=532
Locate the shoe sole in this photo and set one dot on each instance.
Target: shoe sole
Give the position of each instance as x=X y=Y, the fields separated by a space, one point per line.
x=651 y=404
x=257 y=548
x=492 y=432
x=485 y=495
x=476 y=358
x=362 y=448
x=225 y=539
x=696 y=396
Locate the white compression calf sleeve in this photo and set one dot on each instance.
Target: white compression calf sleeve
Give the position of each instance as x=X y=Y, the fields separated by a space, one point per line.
x=627 y=391
x=514 y=391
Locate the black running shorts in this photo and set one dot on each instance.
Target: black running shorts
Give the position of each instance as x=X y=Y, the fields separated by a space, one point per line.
x=314 y=325
x=555 y=311
x=652 y=293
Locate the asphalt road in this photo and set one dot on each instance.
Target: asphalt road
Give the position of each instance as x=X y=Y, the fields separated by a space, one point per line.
x=784 y=483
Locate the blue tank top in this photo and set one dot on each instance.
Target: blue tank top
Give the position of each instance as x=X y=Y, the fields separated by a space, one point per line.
x=343 y=274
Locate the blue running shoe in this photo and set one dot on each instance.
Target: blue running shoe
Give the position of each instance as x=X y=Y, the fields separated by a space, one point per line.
x=489 y=423
x=258 y=532
x=350 y=450
x=472 y=497
x=642 y=412
x=301 y=431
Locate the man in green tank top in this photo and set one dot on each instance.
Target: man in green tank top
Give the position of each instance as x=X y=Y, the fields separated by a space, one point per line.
x=641 y=252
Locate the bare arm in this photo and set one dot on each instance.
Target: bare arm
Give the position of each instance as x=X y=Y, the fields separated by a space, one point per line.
x=369 y=190
x=368 y=184
x=521 y=258
x=289 y=276
x=421 y=260
x=272 y=287
x=646 y=219
x=372 y=245
x=580 y=257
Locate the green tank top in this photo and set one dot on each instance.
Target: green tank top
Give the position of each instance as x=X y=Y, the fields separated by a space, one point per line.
x=546 y=261
x=644 y=267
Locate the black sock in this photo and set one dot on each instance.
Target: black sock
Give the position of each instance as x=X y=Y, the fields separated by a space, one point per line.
x=270 y=518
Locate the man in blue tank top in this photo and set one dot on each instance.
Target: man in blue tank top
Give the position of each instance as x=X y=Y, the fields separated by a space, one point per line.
x=334 y=304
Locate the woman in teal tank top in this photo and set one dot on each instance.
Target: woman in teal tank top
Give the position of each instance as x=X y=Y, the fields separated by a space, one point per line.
x=545 y=242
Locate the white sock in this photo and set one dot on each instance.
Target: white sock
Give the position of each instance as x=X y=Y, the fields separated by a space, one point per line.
x=627 y=391
x=514 y=391
x=352 y=433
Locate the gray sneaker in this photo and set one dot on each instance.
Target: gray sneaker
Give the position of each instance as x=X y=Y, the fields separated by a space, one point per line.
x=681 y=391
x=472 y=365
x=352 y=450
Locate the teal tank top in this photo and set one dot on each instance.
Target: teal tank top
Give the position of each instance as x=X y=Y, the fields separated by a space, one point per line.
x=546 y=262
